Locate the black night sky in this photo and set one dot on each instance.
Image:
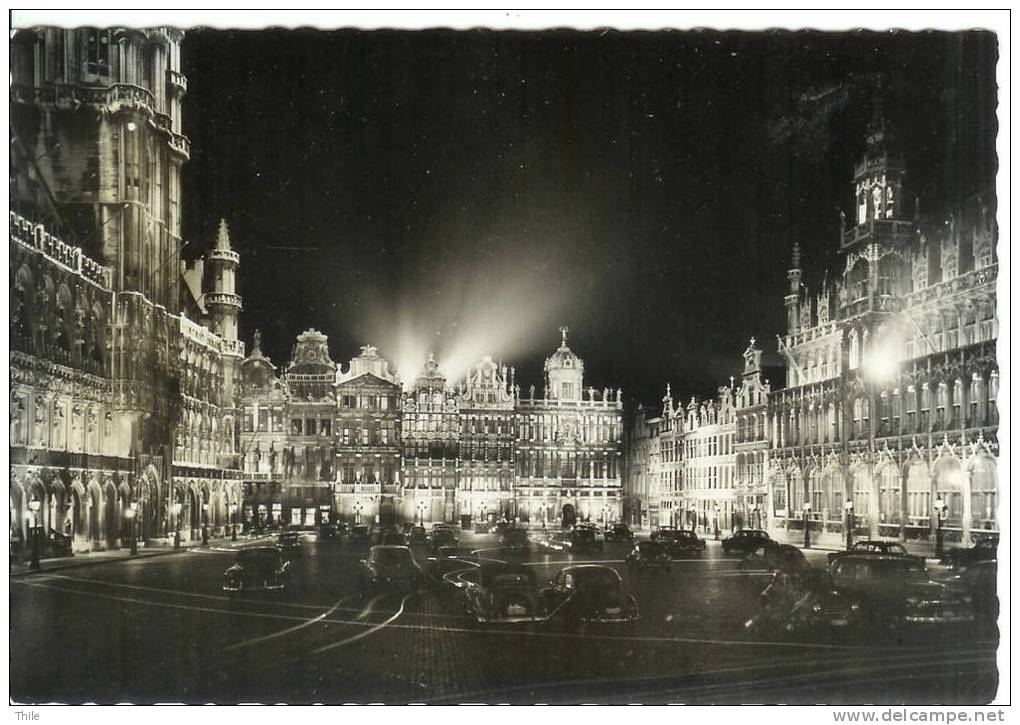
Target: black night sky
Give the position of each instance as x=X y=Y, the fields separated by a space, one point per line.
x=643 y=188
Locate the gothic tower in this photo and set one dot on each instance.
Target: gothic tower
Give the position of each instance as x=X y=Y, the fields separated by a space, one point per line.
x=97 y=148
x=223 y=305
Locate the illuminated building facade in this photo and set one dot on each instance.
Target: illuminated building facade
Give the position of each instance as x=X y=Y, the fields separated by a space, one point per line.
x=708 y=463
x=430 y=430
x=368 y=452
x=643 y=504
x=569 y=448
x=891 y=374
x=123 y=364
x=751 y=444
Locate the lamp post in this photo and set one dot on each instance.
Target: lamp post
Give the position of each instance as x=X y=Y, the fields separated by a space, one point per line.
x=357 y=512
x=177 y=525
x=233 y=522
x=422 y=505
x=205 y=523
x=132 y=514
x=807 y=524
x=34 y=505
x=849 y=506
x=715 y=511
x=940 y=512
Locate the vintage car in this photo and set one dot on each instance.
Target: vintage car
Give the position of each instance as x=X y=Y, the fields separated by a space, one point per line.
x=984 y=549
x=662 y=531
x=600 y=535
x=383 y=531
x=482 y=527
x=360 y=534
x=257 y=567
x=680 y=542
x=389 y=568
x=804 y=603
x=514 y=538
x=979 y=582
x=896 y=590
x=393 y=538
x=745 y=541
x=649 y=555
x=872 y=546
x=773 y=556
x=441 y=537
x=328 y=532
x=619 y=532
x=584 y=539
x=449 y=560
x=289 y=541
x=588 y=594
x=416 y=535
x=501 y=593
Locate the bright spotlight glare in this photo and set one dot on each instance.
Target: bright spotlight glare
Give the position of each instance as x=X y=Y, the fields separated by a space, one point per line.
x=882 y=363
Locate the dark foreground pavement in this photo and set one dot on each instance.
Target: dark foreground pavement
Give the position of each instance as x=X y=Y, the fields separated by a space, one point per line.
x=162 y=630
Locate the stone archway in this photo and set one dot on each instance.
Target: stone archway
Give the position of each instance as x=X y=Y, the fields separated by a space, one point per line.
x=569 y=514
x=111 y=515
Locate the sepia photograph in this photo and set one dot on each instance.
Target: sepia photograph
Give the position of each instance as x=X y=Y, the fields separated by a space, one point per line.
x=529 y=359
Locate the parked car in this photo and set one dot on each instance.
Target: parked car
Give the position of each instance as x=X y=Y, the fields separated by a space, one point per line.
x=662 y=531
x=289 y=541
x=383 y=531
x=450 y=559
x=59 y=544
x=872 y=546
x=600 y=535
x=979 y=582
x=514 y=538
x=441 y=537
x=389 y=567
x=619 y=532
x=805 y=603
x=589 y=594
x=649 y=555
x=773 y=556
x=584 y=539
x=416 y=535
x=328 y=532
x=896 y=590
x=680 y=542
x=984 y=549
x=360 y=534
x=482 y=527
x=257 y=567
x=501 y=593
x=745 y=541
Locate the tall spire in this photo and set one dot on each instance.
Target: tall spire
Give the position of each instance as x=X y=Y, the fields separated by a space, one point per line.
x=796 y=256
x=563 y=331
x=223 y=236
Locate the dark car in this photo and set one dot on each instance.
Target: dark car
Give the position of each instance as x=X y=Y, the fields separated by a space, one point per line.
x=416 y=535
x=328 y=532
x=482 y=527
x=680 y=542
x=360 y=534
x=896 y=590
x=385 y=531
x=514 y=538
x=584 y=539
x=449 y=560
x=745 y=541
x=773 y=556
x=979 y=582
x=441 y=537
x=501 y=593
x=872 y=546
x=650 y=555
x=389 y=567
x=259 y=567
x=589 y=594
x=984 y=549
x=393 y=538
x=805 y=603
x=289 y=541
x=59 y=544
x=663 y=531
x=619 y=532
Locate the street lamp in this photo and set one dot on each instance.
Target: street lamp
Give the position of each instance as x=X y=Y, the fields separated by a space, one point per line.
x=357 y=512
x=807 y=524
x=177 y=525
x=34 y=505
x=940 y=512
x=849 y=506
x=422 y=505
x=715 y=511
x=233 y=522
x=205 y=523
x=132 y=514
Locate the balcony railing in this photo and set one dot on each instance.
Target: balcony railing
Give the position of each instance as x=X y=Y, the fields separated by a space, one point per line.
x=35 y=236
x=177 y=81
x=223 y=298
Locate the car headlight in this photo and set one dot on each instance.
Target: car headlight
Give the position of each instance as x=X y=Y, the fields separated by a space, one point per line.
x=816 y=607
x=854 y=607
